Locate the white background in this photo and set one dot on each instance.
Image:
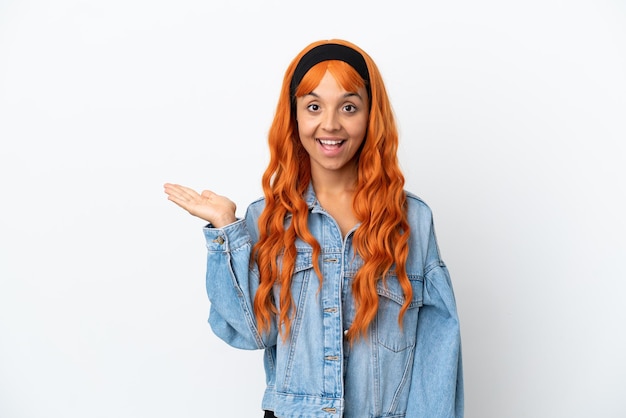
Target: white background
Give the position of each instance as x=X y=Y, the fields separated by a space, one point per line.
x=513 y=121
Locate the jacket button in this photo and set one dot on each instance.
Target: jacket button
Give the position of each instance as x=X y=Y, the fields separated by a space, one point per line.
x=329 y=410
x=219 y=240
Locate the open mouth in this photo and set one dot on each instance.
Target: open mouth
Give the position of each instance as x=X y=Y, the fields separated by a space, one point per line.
x=330 y=144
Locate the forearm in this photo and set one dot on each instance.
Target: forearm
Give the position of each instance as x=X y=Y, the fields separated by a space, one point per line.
x=231 y=284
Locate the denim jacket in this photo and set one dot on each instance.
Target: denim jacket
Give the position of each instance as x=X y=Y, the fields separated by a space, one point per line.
x=413 y=372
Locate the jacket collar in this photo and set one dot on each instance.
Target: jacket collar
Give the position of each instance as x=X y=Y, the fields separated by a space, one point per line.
x=310 y=198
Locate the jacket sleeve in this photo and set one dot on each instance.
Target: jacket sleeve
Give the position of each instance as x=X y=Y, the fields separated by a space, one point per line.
x=231 y=283
x=437 y=378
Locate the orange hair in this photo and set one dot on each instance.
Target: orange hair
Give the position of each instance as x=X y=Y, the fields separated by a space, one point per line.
x=381 y=239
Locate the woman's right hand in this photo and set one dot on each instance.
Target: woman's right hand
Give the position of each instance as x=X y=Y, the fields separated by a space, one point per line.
x=213 y=208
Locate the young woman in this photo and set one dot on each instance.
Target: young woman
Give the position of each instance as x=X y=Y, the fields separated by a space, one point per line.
x=336 y=272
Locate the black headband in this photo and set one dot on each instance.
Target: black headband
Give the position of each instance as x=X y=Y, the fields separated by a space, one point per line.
x=327 y=52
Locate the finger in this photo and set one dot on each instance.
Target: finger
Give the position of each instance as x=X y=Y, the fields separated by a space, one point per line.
x=180 y=202
x=186 y=189
x=181 y=192
x=170 y=188
x=175 y=191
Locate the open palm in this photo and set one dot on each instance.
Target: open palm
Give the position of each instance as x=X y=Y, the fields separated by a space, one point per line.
x=213 y=208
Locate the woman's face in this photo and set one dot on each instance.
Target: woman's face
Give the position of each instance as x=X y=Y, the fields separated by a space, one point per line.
x=332 y=123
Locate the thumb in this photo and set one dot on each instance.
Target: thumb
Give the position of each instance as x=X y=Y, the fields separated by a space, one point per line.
x=207 y=194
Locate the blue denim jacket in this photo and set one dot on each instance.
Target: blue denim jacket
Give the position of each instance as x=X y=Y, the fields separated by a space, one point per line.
x=413 y=372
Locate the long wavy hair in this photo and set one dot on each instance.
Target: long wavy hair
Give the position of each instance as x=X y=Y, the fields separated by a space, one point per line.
x=379 y=204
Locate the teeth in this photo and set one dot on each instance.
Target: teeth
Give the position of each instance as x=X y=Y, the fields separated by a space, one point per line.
x=326 y=142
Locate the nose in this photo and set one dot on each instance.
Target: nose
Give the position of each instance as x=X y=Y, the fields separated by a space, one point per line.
x=331 y=121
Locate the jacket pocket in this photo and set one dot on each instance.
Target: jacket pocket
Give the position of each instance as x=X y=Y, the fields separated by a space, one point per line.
x=390 y=333
x=302 y=269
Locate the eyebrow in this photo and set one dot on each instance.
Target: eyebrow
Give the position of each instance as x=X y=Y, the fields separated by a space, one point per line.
x=345 y=96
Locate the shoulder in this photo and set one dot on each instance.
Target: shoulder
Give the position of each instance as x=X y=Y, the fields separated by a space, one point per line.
x=253 y=212
x=255 y=208
x=416 y=206
x=419 y=216
x=422 y=237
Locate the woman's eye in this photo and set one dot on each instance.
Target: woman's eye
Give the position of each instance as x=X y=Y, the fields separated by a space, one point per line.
x=350 y=108
x=313 y=107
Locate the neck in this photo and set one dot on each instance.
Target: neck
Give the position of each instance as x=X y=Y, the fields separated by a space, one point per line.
x=334 y=183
